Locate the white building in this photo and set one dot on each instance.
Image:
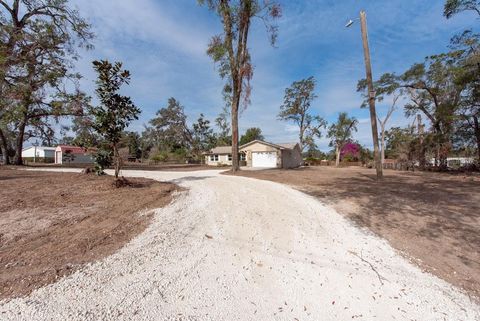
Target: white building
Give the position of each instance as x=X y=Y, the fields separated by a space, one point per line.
x=38 y=154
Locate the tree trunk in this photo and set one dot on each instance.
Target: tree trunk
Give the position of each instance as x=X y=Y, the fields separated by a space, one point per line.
x=337 y=154
x=421 y=156
x=5 y=149
x=383 y=145
x=235 y=156
x=116 y=161
x=19 y=142
x=477 y=135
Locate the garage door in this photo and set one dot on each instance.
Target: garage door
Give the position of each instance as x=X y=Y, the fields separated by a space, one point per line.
x=264 y=159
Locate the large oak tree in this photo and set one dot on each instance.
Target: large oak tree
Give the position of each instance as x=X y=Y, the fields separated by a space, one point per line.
x=38 y=40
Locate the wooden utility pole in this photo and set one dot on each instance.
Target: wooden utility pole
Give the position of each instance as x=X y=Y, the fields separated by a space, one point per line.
x=371 y=95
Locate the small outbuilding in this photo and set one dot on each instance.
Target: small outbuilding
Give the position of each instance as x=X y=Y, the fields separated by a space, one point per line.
x=38 y=154
x=258 y=154
x=65 y=154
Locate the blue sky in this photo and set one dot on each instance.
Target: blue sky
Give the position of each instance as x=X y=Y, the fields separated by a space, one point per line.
x=163 y=44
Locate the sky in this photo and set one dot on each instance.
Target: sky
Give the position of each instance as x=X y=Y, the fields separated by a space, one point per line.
x=163 y=44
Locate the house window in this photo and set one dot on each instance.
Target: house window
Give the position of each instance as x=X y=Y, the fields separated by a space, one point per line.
x=243 y=157
x=229 y=157
x=214 y=158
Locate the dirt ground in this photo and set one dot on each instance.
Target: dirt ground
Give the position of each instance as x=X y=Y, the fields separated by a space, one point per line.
x=432 y=218
x=53 y=223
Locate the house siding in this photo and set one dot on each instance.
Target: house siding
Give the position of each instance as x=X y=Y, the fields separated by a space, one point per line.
x=292 y=158
x=259 y=147
x=222 y=161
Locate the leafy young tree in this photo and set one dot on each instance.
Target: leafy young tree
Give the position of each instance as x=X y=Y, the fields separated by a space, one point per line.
x=115 y=111
x=250 y=135
x=296 y=108
x=36 y=40
x=230 y=50
x=340 y=133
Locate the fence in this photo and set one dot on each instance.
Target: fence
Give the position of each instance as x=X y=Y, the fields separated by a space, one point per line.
x=317 y=162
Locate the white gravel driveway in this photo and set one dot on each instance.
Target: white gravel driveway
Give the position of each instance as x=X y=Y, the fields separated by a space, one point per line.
x=233 y=248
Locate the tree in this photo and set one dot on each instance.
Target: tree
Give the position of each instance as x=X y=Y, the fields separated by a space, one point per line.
x=466 y=53
x=387 y=85
x=340 y=133
x=224 y=137
x=230 y=50
x=169 y=128
x=453 y=7
x=383 y=124
x=132 y=142
x=351 y=151
x=115 y=111
x=36 y=40
x=203 y=138
x=296 y=108
x=250 y=135
x=433 y=90
x=83 y=133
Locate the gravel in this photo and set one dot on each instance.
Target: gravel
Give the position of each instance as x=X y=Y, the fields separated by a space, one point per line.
x=234 y=248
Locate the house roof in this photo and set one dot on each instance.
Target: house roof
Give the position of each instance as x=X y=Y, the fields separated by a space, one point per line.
x=221 y=150
x=228 y=149
x=40 y=148
x=288 y=145
x=279 y=146
x=74 y=149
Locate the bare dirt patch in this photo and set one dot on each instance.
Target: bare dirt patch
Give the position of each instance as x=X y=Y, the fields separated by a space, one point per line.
x=433 y=218
x=53 y=223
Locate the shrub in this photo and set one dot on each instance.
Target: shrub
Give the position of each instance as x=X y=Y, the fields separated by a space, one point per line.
x=160 y=157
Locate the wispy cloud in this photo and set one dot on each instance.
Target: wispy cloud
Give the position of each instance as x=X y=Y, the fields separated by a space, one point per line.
x=163 y=43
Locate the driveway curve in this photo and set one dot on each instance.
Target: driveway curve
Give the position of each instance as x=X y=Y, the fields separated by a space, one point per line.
x=235 y=248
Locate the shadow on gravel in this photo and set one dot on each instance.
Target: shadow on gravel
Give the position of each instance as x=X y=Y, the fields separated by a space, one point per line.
x=189 y=179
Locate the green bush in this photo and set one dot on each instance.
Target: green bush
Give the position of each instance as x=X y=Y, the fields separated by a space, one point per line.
x=160 y=157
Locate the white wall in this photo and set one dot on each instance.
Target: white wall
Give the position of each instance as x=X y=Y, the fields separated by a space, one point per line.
x=41 y=153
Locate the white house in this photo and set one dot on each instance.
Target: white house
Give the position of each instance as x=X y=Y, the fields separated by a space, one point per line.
x=73 y=155
x=258 y=154
x=38 y=154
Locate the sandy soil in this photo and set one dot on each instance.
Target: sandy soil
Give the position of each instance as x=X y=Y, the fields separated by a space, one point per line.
x=233 y=248
x=431 y=217
x=53 y=223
